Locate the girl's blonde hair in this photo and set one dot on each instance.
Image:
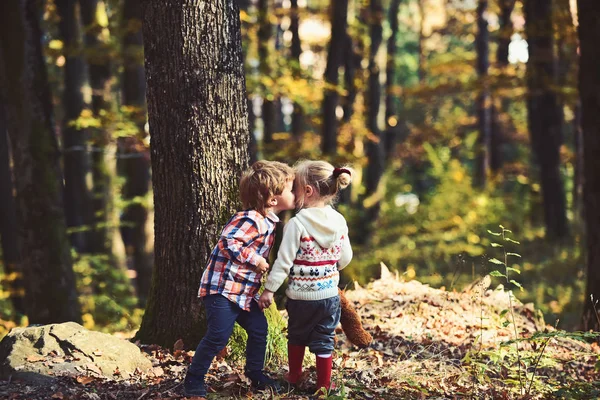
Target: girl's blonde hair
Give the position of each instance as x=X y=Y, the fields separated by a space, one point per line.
x=326 y=180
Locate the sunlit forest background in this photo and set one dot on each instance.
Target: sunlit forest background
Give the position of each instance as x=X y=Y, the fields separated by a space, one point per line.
x=433 y=102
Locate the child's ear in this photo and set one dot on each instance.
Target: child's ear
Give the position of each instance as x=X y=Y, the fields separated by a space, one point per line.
x=272 y=201
x=309 y=191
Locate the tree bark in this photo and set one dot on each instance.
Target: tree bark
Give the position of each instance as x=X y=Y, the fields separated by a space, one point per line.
x=44 y=246
x=134 y=163
x=8 y=225
x=483 y=102
x=78 y=208
x=335 y=53
x=199 y=129
x=544 y=114
x=589 y=90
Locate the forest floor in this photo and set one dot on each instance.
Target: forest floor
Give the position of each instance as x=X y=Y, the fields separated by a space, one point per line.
x=428 y=344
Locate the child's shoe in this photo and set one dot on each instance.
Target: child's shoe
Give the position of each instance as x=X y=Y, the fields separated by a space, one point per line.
x=193 y=385
x=262 y=382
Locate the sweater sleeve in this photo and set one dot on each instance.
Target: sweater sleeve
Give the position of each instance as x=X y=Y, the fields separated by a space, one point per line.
x=346 y=255
x=290 y=243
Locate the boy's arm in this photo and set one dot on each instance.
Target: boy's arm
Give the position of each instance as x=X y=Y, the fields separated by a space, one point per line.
x=290 y=243
x=237 y=237
x=346 y=255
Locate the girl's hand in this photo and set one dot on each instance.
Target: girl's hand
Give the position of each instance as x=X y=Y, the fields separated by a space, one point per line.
x=265 y=300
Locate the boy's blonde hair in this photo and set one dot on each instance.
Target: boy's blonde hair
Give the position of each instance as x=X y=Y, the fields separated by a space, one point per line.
x=326 y=180
x=263 y=180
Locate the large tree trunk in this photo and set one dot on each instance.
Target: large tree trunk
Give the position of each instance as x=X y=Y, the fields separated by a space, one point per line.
x=269 y=108
x=8 y=224
x=392 y=130
x=134 y=163
x=335 y=53
x=76 y=166
x=199 y=130
x=45 y=251
x=544 y=114
x=483 y=102
x=589 y=89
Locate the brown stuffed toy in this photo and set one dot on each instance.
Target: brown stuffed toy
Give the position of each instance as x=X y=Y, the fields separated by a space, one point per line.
x=352 y=325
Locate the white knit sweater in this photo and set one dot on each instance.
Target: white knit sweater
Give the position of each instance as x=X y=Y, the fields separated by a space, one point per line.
x=314 y=248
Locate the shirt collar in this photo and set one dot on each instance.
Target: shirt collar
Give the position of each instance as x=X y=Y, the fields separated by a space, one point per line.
x=272 y=216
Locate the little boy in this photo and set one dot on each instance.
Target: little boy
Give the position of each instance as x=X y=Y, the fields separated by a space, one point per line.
x=233 y=274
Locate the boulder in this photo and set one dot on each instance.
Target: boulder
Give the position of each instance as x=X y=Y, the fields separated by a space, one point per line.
x=41 y=353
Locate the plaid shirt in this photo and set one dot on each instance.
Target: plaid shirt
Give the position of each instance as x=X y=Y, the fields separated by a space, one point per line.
x=230 y=269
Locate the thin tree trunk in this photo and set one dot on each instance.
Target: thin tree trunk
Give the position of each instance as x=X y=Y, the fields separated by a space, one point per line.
x=374 y=146
x=296 y=51
x=102 y=164
x=200 y=95
x=78 y=208
x=352 y=61
x=335 y=52
x=44 y=246
x=544 y=114
x=589 y=89
x=8 y=224
x=422 y=57
x=135 y=161
x=483 y=102
x=391 y=98
x=500 y=105
x=265 y=33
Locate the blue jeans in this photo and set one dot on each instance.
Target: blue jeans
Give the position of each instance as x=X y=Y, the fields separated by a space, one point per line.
x=312 y=323
x=221 y=315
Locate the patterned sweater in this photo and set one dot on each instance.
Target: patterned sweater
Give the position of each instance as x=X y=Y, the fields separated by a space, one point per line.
x=314 y=248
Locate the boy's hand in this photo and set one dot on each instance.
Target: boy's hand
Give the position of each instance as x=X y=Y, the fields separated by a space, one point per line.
x=262 y=266
x=266 y=299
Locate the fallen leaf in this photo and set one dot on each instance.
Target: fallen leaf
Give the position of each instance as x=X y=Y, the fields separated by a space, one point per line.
x=178 y=345
x=84 y=380
x=34 y=358
x=58 y=395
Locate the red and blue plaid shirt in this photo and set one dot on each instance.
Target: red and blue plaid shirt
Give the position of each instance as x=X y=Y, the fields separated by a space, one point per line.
x=230 y=269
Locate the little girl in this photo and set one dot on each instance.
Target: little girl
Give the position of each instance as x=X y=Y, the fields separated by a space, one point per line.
x=314 y=248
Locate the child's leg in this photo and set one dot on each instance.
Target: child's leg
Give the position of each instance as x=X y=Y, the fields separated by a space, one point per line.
x=255 y=324
x=295 y=358
x=322 y=340
x=220 y=316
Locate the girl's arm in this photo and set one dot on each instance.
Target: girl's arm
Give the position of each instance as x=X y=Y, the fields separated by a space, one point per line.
x=346 y=255
x=290 y=243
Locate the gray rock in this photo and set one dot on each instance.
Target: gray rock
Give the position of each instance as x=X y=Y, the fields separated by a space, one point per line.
x=41 y=353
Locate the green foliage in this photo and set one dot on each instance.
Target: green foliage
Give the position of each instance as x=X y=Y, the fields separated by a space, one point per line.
x=276 y=354
x=106 y=295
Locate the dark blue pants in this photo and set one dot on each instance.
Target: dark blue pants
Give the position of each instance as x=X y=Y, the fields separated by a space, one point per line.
x=221 y=315
x=312 y=323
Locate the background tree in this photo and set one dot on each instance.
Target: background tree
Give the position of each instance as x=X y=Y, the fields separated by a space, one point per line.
x=544 y=119
x=483 y=101
x=335 y=51
x=589 y=89
x=198 y=125
x=8 y=224
x=50 y=294
x=134 y=161
x=76 y=161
